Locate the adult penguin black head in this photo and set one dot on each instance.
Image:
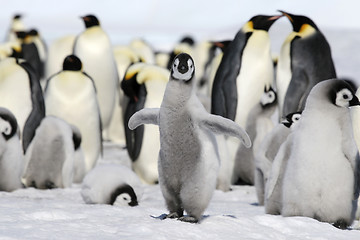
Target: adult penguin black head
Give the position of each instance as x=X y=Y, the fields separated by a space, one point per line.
x=72 y=63
x=17 y=16
x=263 y=22
x=90 y=21
x=298 y=22
x=183 y=68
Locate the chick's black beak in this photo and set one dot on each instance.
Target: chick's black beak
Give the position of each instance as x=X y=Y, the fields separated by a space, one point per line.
x=354 y=101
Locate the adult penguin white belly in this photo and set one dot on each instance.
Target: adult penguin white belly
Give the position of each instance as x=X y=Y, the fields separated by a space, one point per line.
x=94 y=49
x=144 y=152
x=245 y=69
x=21 y=93
x=71 y=95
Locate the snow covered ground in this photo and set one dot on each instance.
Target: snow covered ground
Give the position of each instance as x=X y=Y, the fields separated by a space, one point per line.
x=62 y=214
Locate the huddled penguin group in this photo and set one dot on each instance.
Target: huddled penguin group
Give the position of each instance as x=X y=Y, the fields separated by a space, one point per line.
x=286 y=125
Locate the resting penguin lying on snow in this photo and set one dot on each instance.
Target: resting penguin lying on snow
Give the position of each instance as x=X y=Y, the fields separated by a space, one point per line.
x=11 y=156
x=50 y=158
x=111 y=184
x=188 y=158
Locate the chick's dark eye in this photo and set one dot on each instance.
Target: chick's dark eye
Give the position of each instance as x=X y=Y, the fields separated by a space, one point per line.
x=345 y=96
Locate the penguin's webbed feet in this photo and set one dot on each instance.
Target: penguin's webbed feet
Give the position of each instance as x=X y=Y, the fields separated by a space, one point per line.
x=189 y=219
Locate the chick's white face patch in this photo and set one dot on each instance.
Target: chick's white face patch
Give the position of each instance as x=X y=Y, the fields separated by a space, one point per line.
x=343 y=98
x=186 y=76
x=268 y=97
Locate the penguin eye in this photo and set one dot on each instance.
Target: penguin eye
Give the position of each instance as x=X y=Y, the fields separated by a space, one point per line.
x=345 y=96
x=5 y=128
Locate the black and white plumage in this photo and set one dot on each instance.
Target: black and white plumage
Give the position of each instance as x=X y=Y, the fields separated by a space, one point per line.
x=267 y=151
x=71 y=95
x=322 y=178
x=112 y=184
x=94 y=48
x=188 y=158
x=50 y=158
x=245 y=69
x=21 y=93
x=11 y=155
x=259 y=124
x=305 y=59
x=144 y=85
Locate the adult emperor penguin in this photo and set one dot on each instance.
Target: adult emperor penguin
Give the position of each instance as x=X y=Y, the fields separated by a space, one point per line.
x=145 y=87
x=275 y=174
x=11 y=156
x=21 y=93
x=188 y=158
x=305 y=59
x=94 y=49
x=50 y=158
x=245 y=69
x=112 y=184
x=30 y=52
x=16 y=25
x=267 y=151
x=71 y=95
x=259 y=124
x=57 y=52
x=41 y=48
x=322 y=175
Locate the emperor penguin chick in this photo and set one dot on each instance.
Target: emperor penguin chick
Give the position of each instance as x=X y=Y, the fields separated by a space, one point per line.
x=268 y=149
x=11 y=156
x=112 y=184
x=273 y=181
x=259 y=124
x=188 y=159
x=322 y=178
x=50 y=158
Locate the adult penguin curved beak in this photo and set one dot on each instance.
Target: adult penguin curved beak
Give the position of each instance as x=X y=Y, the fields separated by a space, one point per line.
x=288 y=15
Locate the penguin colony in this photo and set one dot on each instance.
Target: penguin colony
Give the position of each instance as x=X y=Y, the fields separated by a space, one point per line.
x=224 y=116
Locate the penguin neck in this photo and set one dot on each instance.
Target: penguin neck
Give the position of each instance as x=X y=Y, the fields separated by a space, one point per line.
x=177 y=94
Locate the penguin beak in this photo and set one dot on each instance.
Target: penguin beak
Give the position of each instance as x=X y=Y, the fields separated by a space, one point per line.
x=287 y=15
x=133 y=203
x=274 y=18
x=286 y=123
x=354 y=101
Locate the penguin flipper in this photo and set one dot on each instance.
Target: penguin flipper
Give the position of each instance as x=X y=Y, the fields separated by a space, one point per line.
x=38 y=104
x=221 y=125
x=297 y=92
x=144 y=116
x=357 y=177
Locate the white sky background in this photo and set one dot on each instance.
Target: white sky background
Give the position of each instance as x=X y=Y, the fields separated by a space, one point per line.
x=159 y=21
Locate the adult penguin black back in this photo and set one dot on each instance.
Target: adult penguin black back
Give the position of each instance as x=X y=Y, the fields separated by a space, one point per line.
x=38 y=106
x=228 y=79
x=305 y=60
x=30 y=52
